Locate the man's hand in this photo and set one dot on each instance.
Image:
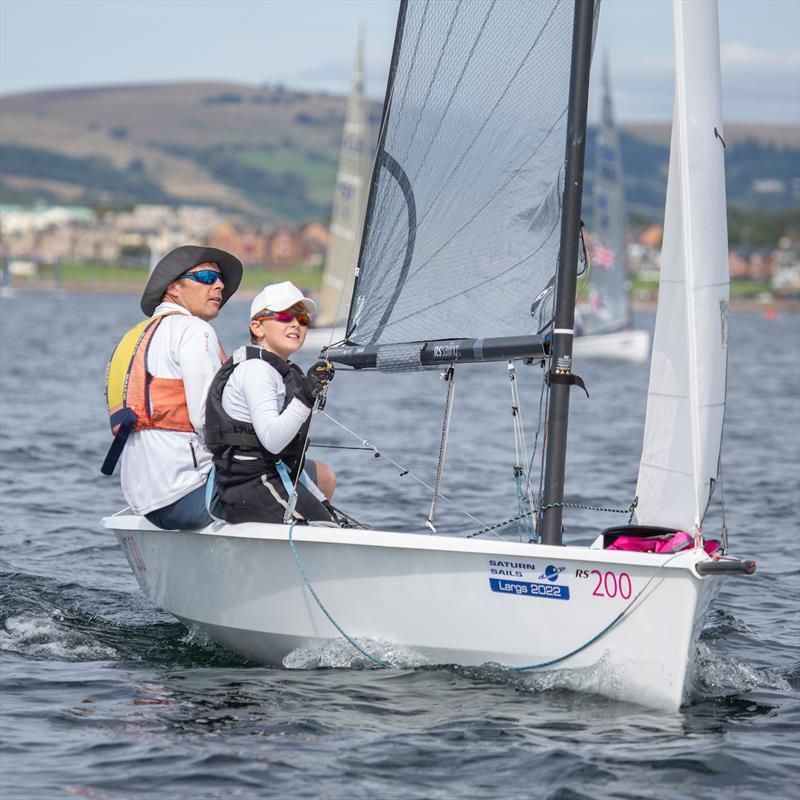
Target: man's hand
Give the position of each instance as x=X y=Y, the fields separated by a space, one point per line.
x=316 y=381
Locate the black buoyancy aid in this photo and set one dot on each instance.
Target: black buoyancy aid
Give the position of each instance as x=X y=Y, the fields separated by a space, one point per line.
x=226 y=437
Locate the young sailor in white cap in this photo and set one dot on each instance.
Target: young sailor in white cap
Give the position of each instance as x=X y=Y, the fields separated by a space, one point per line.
x=157 y=382
x=257 y=417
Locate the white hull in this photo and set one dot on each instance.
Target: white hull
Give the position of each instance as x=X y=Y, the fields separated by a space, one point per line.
x=628 y=345
x=438 y=597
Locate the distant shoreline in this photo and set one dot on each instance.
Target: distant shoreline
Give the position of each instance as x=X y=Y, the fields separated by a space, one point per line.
x=780 y=304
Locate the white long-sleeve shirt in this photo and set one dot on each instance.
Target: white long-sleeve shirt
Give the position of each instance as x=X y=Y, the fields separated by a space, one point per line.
x=160 y=467
x=255 y=393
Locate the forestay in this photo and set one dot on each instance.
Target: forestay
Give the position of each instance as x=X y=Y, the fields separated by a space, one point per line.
x=686 y=402
x=607 y=307
x=463 y=220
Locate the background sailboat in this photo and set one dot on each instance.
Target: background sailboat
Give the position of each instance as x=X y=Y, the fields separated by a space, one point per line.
x=349 y=202
x=603 y=318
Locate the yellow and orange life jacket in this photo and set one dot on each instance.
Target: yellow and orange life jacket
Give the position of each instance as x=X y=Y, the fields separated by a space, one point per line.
x=138 y=400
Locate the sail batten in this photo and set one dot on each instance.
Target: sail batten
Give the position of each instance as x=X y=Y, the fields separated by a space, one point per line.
x=465 y=205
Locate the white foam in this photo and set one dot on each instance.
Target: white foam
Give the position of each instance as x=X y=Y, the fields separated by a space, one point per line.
x=340 y=654
x=50 y=637
x=717 y=675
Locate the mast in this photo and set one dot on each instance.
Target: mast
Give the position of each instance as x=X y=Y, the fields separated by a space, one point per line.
x=563 y=330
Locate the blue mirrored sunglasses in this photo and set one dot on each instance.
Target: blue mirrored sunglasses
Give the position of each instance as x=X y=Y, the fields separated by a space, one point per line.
x=207 y=276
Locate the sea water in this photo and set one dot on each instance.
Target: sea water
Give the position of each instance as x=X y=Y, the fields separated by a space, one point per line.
x=104 y=696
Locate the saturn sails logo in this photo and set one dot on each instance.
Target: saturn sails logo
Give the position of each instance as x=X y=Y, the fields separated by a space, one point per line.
x=551 y=573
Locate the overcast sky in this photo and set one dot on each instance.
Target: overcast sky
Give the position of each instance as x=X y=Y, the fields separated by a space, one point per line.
x=309 y=44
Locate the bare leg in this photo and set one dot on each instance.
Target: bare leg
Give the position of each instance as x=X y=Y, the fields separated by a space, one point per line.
x=326 y=479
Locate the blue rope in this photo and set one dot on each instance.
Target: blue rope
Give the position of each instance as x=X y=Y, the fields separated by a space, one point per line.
x=324 y=610
x=577 y=649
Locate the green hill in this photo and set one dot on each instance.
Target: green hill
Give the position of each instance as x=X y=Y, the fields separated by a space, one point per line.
x=272 y=153
x=266 y=151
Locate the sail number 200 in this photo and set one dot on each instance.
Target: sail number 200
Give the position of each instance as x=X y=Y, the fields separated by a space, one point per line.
x=608 y=584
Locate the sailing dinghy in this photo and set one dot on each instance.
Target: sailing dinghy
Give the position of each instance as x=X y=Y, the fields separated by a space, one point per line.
x=470 y=253
x=606 y=329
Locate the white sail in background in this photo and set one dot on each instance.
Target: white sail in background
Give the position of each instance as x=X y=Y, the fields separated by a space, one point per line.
x=352 y=186
x=607 y=308
x=686 y=401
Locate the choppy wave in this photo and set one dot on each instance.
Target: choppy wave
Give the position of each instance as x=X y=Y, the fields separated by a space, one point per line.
x=45 y=619
x=715 y=675
x=720 y=675
x=51 y=638
x=104 y=696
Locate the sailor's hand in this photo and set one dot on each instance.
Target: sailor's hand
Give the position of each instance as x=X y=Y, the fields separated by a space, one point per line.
x=316 y=381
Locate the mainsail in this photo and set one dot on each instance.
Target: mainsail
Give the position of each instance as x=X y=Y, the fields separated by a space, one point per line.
x=349 y=202
x=463 y=222
x=607 y=307
x=686 y=402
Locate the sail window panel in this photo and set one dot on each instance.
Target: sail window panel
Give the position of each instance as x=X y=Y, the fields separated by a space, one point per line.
x=463 y=229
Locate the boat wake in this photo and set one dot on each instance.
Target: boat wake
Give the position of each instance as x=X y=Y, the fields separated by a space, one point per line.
x=51 y=638
x=715 y=676
x=722 y=676
x=46 y=620
x=340 y=654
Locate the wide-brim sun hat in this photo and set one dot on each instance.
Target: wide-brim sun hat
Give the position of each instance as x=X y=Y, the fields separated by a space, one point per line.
x=279 y=297
x=181 y=260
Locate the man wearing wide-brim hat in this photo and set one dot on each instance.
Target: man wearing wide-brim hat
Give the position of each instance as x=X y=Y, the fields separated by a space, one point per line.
x=157 y=384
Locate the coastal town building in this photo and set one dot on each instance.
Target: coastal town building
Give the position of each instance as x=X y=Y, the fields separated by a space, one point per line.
x=141 y=235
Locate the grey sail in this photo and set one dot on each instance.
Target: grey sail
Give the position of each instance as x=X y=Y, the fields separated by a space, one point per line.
x=349 y=202
x=606 y=308
x=462 y=229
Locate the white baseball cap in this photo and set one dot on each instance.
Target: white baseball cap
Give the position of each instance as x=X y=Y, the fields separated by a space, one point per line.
x=279 y=297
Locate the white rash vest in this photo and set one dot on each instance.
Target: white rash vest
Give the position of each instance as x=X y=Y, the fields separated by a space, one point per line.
x=160 y=467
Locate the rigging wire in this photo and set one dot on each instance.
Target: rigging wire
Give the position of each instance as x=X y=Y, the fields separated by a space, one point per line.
x=544 y=404
x=535 y=511
x=403 y=470
x=449 y=376
x=521 y=477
